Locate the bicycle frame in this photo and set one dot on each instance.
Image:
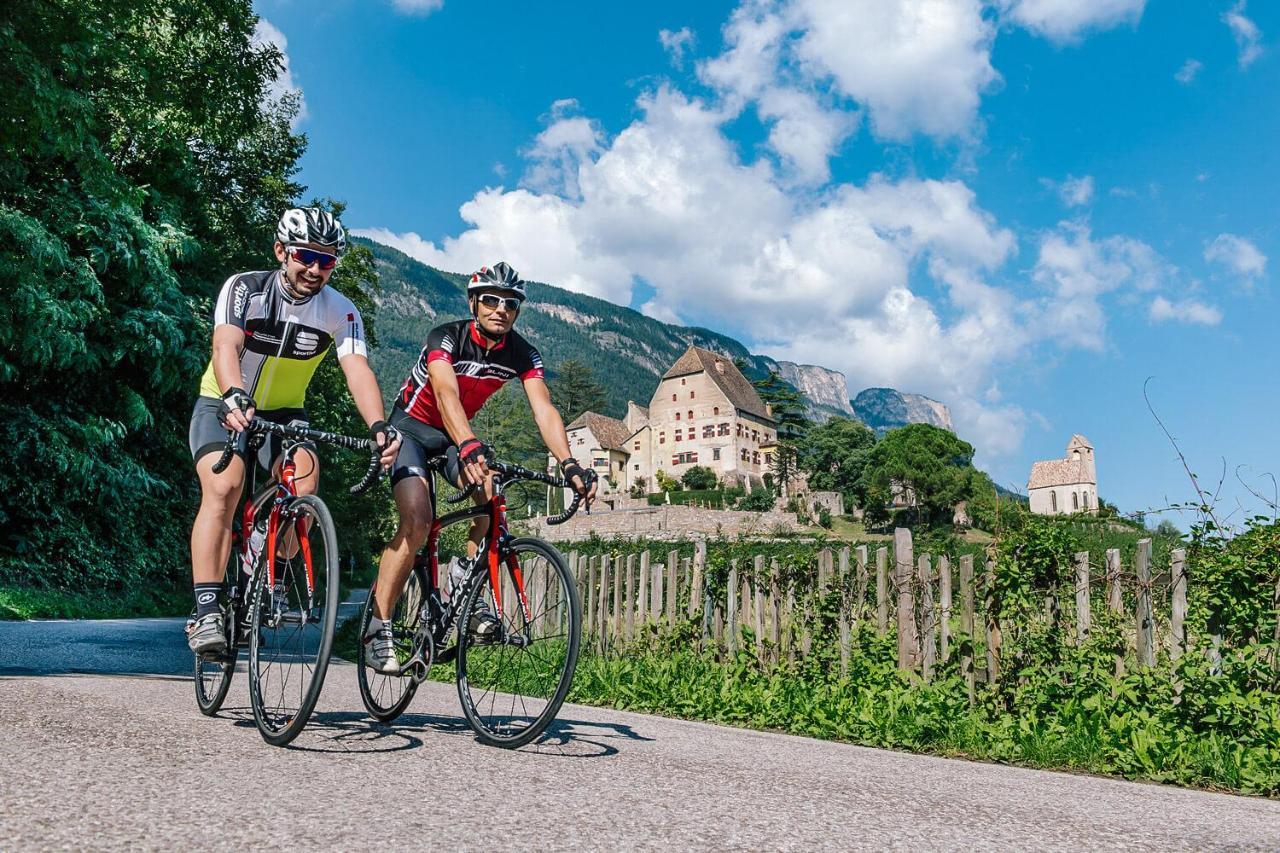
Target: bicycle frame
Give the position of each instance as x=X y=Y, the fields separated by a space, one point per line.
x=282 y=490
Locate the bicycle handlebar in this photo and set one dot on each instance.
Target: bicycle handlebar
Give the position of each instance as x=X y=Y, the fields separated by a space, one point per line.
x=509 y=472
x=258 y=425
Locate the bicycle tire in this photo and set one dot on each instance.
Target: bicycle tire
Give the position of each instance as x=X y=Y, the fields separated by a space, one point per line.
x=385 y=696
x=279 y=627
x=482 y=669
x=213 y=676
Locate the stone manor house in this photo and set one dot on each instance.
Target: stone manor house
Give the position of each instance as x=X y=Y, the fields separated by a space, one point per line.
x=704 y=412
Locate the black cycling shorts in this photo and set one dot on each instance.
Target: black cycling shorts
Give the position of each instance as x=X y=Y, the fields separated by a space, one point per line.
x=421 y=443
x=206 y=433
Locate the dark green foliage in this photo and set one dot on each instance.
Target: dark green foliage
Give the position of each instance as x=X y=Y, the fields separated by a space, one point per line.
x=137 y=168
x=758 y=500
x=788 y=407
x=699 y=477
x=929 y=462
x=719 y=498
x=835 y=454
x=574 y=390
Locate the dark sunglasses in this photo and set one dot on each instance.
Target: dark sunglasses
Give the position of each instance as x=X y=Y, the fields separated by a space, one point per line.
x=492 y=301
x=307 y=257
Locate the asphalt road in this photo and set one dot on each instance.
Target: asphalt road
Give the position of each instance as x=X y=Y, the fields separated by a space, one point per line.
x=101 y=746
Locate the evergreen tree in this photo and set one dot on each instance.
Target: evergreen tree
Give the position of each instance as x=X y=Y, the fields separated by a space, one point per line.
x=788 y=406
x=928 y=463
x=574 y=390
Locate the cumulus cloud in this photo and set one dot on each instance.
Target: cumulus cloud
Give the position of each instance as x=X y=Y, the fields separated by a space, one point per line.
x=1188 y=71
x=676 y=43
x=1238 y=255
x=560 y=150
x=283 y=87
x=1183 y=311
x=1066 y=21
x=421 y=8
x=1074 y=192
x=1247 y=35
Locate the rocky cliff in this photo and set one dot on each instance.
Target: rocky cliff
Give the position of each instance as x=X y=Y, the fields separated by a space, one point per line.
x=826 y=389
x=884 y=409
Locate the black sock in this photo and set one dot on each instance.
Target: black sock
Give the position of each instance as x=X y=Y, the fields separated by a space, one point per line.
x=208 y=598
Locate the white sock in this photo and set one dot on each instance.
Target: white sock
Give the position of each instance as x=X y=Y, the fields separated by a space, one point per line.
x=375 y=625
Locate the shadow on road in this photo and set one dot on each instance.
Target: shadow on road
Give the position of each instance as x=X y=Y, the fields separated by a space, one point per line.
x=349 y=732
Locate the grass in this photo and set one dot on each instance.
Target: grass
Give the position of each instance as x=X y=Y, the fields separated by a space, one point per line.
x=17 y=603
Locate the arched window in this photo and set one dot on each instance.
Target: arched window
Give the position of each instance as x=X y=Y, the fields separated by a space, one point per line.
x=1053 y=501
x=691 y=414
x=673 y=398
x=716 y=410
x=677 y=416
x=1085 y=495
x=691 y=395
x=1075 y=501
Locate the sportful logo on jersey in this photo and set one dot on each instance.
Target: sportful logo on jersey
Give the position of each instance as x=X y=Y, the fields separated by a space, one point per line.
x=306 y=342
x=241 y=297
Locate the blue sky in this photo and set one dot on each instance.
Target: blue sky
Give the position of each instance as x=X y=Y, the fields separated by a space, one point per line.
x=1023 y=208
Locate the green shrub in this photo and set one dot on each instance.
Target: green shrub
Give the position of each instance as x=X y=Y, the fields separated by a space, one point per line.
x=699 y=477
x=759 y=500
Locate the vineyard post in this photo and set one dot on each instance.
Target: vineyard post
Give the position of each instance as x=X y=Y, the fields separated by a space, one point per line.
x=944 y=594
x=1145 y=619
x=966 y=622
x=1084 y=617
x=905 y=563
x=882 y=591
x=1178 y=611
x=731 y=609
x=928 y=617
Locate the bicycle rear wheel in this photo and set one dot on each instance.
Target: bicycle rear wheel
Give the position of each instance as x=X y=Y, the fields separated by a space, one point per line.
x=387 y=696
x=512 y=687
x=293 y=621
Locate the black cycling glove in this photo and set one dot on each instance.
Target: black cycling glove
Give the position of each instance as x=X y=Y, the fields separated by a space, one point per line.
x=389 y=433
x=236 y=398
x=570 y=468
x=471 y=450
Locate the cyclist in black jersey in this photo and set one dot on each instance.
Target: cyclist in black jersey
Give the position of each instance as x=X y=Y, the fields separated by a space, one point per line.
x=271 y=330
x=462 y=364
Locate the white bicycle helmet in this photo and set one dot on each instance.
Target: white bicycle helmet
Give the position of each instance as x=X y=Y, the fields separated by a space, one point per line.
x=311 y=225
x=500 y=276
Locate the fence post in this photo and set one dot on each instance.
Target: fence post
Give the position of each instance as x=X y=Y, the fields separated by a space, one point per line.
x=1178 y=609
x=699 y=564
x=602 y=611
x=642 y=590
x=905 y=563
x=994 y=637
x=882 y=590
x=966 y=621
x=928 y=618
x=944 y=604
x=824 y=571
x=758 y=608
x=1115 y=600
x=775 y=605
x=1084 y=617
x=860 y=583
x=657 y=572
x=1146 y=632
x=673 y=586
x=731 y=609
x=629 y=608
x=617 y=581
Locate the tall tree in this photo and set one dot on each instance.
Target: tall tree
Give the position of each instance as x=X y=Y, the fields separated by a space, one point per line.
x=929 y=464
x=836 y=454
x=574 y=390
x=788 y=406
x=138 y=165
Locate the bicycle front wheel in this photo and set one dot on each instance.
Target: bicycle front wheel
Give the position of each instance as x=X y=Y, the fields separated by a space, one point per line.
x=386 y=696
x=293 y=620
x=512 y=683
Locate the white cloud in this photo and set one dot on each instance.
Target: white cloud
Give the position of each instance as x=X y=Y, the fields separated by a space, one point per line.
x=559 y=151
x=1077 y=271
x=421 y=8
x=1183 y=311
x=1247 y=35
x=1075 y=192
x=283 y=86
x=1236 y=254
x=1188 y=71
x=1066 y=21
x=677 y=43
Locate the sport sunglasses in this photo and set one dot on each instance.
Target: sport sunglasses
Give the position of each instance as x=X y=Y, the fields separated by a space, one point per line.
x=307 y=257
x=492 y=301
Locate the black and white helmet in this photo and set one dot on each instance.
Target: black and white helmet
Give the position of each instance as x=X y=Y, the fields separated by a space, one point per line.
x=311 y=225
x=500 y=276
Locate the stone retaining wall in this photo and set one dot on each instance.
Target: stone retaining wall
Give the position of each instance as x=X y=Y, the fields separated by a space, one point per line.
x=669 y=522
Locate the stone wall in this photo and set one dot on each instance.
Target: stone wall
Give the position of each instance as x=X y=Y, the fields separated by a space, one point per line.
x=669 y=522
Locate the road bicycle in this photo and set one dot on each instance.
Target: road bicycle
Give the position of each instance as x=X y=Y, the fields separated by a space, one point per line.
x=512 y=682
x=282 y=586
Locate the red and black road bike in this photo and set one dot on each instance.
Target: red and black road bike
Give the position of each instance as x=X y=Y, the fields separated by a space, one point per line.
x=511 y=682
x=282 y=584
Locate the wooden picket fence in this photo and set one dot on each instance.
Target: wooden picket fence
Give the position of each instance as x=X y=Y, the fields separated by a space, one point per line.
x=931 y=603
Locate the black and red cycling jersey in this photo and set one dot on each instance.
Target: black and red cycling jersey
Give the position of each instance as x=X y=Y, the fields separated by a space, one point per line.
x=481 y=372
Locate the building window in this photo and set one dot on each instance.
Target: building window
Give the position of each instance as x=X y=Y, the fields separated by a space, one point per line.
x=682 y=381
x=739 y=430
x=690 y=458
x=636 y=467
x=723 y=429
x=1085 y=496
x=691 y=414
x=673 y=398
x=600 y=463
x=637 y=445
x=1075 y=501
x=662 y=438
x=1053 y=501
x=745 y=455
x=677 y=416
x=755 y=457
x=715 y=454
x=755 y=436
x=677 y=438
x=691 y=395
x=715 y=410
x=708 y=431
